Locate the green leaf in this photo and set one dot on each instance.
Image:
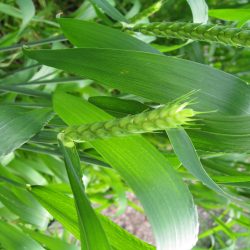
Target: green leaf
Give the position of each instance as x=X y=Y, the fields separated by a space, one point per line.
x=109 y=10
x=27 y=11
x=143 y=167
x=24 y=169
x=25 y=206
x=63 y=209
x=231 y=179
x=222 y=133
x=89 y=225
x=18 y=125
x=241 y=15
x=74 y=29
x=24 y=91
x=20 y=202
x=52 y=243
x=138 y=72
x=10 y=10
x=199 y=10
x=56 y=166
x=186 y=153
x=118 y=107
x=12 y=238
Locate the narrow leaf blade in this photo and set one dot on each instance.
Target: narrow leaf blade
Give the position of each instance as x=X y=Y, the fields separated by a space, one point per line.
x=109 y=10
x=186 y=153
x=74 y=29
x=62 y=208
x=18 y=125
x=90 y=227
x=12 y=238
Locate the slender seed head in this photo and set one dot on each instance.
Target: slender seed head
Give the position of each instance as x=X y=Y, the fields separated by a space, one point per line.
x=196 y=31
x=162 y=118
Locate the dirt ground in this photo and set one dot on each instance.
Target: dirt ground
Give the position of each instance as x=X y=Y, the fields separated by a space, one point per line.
x=132 y=220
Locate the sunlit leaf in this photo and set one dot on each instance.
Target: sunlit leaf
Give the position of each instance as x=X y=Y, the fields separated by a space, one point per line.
x=90 y=227
x=199 y=11
x=109 y=10
x=63 y=209
x=18 y=125
x=12 y=238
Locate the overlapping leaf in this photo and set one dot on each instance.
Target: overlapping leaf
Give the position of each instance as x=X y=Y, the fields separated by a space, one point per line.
x=109 y=10
x=186 y=153
x=50 y=242
x=18 y=125
x=12 y=238
x=241 y=15
x=62 y=208
x=118 y=107
x=27 y=11
x=100 y=36
x=199 y=11
x=89 y=225
x=152 y=76
x=19 y=201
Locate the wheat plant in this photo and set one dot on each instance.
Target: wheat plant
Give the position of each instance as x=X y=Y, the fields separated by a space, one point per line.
x=101 y=101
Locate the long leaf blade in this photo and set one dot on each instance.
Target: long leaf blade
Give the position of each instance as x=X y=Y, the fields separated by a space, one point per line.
x=74 y=29
x=17 y=126
x=50 y=242
x=109 y=10
x=90 y=227
x=186 y=153
x=153 y=76
x=12 y=238
x=199 y=11
x=63 y=209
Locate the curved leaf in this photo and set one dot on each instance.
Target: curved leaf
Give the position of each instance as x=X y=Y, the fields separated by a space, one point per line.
x=75 y=29
x=118 y=107
x=90 y=227
x=27 y=11
x=186 y=153
x=153 y=76
x=221 y=133
x=242 y=15
x=109 y=10
x=62 y=208
x=199 y=10
x=12 y=238
x=17 y=126
x=52 y=243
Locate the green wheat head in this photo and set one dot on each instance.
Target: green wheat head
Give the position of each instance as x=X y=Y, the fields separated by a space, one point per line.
x=196 y=31
x=166 y=117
